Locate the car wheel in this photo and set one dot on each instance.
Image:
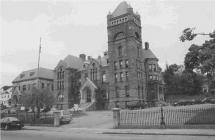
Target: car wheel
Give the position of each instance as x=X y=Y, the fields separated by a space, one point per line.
x=6 y=127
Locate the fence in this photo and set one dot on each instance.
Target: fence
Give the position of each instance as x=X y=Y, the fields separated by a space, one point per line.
x=167 y=117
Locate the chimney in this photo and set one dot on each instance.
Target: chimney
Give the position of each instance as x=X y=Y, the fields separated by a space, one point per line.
x=105 y=53
x=146 y=45
x=83 y=57
x=89 y=57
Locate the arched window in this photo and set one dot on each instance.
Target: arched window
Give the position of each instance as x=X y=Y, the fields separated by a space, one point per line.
x=94 y=72
x=120 y=51
x=119 y=35
x=137 y=35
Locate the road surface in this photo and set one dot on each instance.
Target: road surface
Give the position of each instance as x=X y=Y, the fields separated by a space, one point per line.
x=27 y=134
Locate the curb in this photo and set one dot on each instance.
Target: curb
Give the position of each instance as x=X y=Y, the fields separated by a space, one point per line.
x=129 y=133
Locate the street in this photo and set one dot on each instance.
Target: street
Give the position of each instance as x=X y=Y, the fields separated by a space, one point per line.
x=31 y=134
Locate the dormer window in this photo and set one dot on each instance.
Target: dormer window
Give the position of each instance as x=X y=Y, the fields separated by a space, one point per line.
x=32 y=73
x=22 y=75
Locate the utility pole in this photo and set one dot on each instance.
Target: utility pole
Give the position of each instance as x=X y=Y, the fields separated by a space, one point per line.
x=38 y=82
x=38 y=66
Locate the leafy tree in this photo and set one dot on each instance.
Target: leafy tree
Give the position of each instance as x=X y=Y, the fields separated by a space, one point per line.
x=201 y=57
x=181 y=82
x=37 y=98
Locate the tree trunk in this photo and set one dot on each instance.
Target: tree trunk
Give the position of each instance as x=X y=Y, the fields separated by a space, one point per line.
x=38 y=112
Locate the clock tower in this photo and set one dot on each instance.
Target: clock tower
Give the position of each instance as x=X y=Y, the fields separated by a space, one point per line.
x=126 y=67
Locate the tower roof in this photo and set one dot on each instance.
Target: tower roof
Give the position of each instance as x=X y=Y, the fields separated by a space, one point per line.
x=121 y=9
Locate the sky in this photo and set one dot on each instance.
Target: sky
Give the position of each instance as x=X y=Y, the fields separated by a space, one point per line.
x=80 y=26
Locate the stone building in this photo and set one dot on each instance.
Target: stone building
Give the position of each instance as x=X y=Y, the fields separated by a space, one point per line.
x=94 y=76
x=32 y=78
x=128 y=73
x=67 y=75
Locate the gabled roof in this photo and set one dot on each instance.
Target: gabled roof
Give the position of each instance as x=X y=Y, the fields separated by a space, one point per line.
x=33 y=73
x=147 y=53
x=121 y=9
x=87 y=83
x=73 y=62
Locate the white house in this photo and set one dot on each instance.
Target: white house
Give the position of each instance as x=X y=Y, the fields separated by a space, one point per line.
x=5 y=95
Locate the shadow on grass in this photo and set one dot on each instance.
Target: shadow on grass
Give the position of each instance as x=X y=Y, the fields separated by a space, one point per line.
x=203 y=117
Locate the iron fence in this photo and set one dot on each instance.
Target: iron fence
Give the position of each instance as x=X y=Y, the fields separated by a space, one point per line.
x=168 y=116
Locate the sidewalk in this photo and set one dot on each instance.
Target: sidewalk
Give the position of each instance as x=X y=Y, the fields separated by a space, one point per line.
x=189 y=132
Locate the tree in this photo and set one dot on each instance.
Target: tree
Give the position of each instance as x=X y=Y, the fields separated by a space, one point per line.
x=171 y=79
x=184 y=82
x=200 y=57
x=37 y=98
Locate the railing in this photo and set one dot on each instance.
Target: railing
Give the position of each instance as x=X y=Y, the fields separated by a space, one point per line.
x=163 y=117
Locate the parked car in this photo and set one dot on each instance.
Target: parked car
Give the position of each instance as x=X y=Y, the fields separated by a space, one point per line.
x=183 y=103
x=11 y=123
x=209 y=100
x=65 y=116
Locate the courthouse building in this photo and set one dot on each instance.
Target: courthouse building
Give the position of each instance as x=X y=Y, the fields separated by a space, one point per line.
x=128 y=72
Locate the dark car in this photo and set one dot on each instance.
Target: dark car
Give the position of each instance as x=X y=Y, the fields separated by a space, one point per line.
x=183 y=103
x=11 y=123
x=208 y=100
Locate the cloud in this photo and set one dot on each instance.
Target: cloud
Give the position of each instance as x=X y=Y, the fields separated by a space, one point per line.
x=30 y=9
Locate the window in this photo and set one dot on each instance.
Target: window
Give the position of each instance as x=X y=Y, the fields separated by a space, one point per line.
x=150 y=77
x=120 y=51
x=126 y=63
x=115 y=77
x=126 y=76
x=32 y=73
x=120 y=63
x=24 y=88
x=43 y=85
x=116 y=92
x=94 y=72
x=29 y=86
x=22 y=75
x=138 y=90
x=126 y=91
x=62 y=85
x=115 y=65
x=104 y=79
x=152 y=67
x=121 y=76
x=138 y=51
x=62 y=76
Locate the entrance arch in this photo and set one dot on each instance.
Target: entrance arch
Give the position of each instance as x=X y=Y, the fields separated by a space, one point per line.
x=88 y=94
